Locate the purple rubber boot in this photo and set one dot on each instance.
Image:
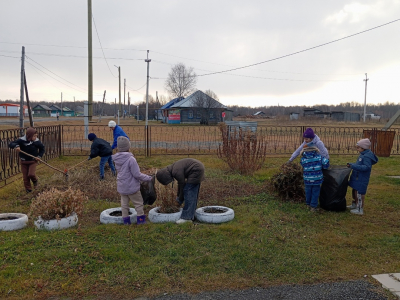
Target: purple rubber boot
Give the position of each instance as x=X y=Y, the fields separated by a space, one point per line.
x=141 y=220
x=127 y=220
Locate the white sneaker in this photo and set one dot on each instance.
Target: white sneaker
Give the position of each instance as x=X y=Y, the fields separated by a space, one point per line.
x=357 y=211
x=181 y=221
x=352 y=206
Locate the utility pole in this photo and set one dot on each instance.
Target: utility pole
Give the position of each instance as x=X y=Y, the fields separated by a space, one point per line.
x=129 y=106
x=115 y=107
x=365 y=97
x=124 y=97
x=90 y=62
x=119 y=82
x=21 y=94
x=61 y=113
x=147 y=88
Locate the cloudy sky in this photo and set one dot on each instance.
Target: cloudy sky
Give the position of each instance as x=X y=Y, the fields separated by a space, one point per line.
x=210 y=36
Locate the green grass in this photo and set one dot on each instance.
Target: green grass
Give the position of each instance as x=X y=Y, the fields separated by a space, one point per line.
x=269 y=242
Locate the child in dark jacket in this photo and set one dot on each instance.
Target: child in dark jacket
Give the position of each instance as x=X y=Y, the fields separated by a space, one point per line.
x=361 y=172
x=103 y=149
x=128 y=181
x=30 y=144
x=312 y=163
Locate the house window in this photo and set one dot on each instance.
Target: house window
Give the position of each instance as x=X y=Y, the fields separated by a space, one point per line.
x=198 y=115
x=211 y=115
x=190 y=114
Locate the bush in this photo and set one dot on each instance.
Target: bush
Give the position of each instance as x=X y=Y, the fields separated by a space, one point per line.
x=243 y=151
x=56 y=204
x=288 y=183
x=166 y=197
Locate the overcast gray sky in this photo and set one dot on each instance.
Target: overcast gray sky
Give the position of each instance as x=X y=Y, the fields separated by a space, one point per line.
x=210 y=36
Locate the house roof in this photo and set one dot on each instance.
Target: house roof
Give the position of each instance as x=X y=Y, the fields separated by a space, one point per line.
x=55 y=107
x=42 y=106
x=259 y=113
x=190 y=101
x=172 y=102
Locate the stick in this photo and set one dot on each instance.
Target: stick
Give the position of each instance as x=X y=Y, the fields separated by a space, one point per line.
x=77 y=164
x=42 y=161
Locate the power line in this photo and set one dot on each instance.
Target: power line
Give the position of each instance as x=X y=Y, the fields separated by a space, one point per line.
x=10 y=56
x=301 y=51
x=78 y=56
x=102 y=47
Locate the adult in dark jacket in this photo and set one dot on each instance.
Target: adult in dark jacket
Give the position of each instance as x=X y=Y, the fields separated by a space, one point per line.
x=189 y=173
x=30 y=144
x=117 y=132
x=103 y=149
x=360 y=175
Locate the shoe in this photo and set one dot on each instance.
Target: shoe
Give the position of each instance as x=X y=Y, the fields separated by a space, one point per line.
x=35 y=183
x=127 y=220
x=181 y=221
x=357 y=211
x=28 y=191
x=101 y=177
x=141 y=220
x=313 y=209
x=352 y=206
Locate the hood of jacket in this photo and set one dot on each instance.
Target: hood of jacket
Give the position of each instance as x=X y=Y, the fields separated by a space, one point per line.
x=368 y=153
x=121 y=157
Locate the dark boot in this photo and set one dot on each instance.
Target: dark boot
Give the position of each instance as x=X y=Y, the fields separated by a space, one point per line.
x=127 y=220
x=35 y=183
x=141 y=220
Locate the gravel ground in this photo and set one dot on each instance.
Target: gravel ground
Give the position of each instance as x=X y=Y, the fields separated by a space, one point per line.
x=360 y=290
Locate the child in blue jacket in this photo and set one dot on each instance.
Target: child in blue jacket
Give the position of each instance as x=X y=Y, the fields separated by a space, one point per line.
x=361 y=172
x=312 y=163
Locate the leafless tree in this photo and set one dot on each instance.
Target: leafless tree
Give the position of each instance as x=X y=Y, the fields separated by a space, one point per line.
x=206 y=103
x=181 y=81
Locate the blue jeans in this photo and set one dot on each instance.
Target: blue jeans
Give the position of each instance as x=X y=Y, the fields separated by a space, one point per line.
x=312 y=194
x=190 y=196
x=103 y=161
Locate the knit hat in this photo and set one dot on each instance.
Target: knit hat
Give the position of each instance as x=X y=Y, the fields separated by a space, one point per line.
x=309 y=133
x=364 y=143
x=123 y=144
x=91 y=136
x=112 y=124
x=30 y=132
x=164 y=176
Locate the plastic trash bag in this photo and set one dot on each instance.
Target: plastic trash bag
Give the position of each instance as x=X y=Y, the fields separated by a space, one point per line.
x=148 y=191
x=334 y=188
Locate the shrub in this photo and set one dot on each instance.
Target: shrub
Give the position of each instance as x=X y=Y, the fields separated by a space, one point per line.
x=288 y=183
x=56 y=204
x=166 y=197
x=243 y=151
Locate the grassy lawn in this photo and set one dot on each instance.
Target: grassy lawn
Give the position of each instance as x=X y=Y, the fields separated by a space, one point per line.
x=269 y=242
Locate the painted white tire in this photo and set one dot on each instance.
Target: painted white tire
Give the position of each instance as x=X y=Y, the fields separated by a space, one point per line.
x=107 y=218
x=204 y=217
x=18 y=221
x=156 y=217
x=63 y=223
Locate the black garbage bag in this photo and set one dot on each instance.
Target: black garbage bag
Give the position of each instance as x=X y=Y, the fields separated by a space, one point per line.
x=334 y=188
x=148 y=191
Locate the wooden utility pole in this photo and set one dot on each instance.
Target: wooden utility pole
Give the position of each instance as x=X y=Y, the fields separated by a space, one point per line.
x=123 y=113
x=61 y=113
x=365 y=97
x=90 y=62
x=27 y=102
x=21 y=94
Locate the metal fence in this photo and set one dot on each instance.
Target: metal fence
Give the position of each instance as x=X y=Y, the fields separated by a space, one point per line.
x=182 y=139
x=50 y=136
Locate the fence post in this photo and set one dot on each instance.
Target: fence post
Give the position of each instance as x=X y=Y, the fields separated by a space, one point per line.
x=59 y=140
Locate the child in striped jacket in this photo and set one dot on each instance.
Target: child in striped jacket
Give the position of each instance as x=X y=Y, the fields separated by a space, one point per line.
x=312 y=163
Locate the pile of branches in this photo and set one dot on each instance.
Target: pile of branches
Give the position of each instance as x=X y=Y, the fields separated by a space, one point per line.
x=288 y=183
x=244 y=151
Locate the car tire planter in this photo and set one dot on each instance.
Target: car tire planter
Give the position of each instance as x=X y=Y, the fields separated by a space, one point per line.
x=157 y=217
x=106 y=216
x=12 y=221
x=63 y=223
x=203 y=216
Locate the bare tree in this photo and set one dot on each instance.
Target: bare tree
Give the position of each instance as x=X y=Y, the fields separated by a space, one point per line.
x=181 y=81
x=206 y=104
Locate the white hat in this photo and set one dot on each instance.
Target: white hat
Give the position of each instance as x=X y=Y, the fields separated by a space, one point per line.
x=112 y=124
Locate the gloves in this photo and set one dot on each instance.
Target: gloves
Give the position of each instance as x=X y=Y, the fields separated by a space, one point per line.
x=89 y=158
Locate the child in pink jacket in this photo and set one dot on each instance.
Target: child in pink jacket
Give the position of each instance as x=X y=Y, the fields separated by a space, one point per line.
x=128 y=181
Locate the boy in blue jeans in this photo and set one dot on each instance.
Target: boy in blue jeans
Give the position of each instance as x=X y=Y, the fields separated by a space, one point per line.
x=312 y=163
